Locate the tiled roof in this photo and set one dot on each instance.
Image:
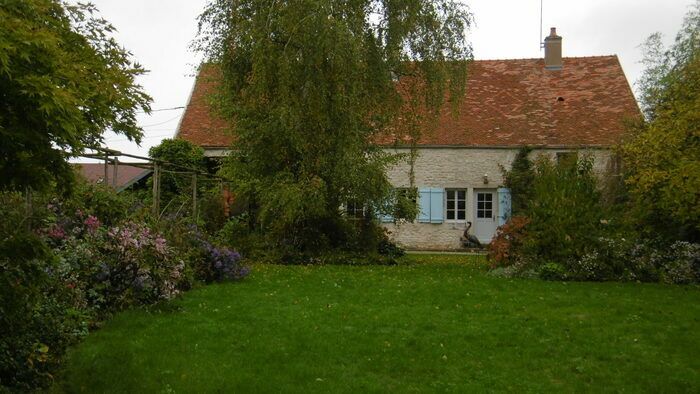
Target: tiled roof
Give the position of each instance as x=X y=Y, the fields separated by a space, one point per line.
x=507 y=103
x=126 y=174
x=199 y=124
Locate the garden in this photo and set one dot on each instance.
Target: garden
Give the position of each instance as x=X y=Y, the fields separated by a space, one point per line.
x=268 y=284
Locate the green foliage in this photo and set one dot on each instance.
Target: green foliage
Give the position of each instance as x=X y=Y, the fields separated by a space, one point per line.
x=519 y=180
x=308 y=87
x=552 y=271
x=569 y=233
x=405 y=204
x=182 y=153
x=37 y=319
x=99 y=200
x=63 y=81
x=662 y=160
x=63 y=270
x=565 y=212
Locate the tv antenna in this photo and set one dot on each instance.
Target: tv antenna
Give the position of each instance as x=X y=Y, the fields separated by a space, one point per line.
x=541 y=42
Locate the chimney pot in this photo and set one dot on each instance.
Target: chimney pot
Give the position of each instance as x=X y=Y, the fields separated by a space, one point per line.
x=552 y=51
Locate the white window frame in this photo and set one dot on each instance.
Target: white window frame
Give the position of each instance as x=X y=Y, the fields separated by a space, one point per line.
x=456 y=202
x=492 y=209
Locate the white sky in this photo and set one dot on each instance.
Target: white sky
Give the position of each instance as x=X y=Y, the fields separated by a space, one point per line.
x=158 y=33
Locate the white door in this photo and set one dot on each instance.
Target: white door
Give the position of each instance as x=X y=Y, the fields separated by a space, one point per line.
x=484 y=215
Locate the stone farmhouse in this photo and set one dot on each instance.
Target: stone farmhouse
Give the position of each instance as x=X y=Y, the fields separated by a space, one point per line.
x=555 y=105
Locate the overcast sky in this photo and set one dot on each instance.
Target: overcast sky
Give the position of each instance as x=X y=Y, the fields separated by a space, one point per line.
x=158 y=32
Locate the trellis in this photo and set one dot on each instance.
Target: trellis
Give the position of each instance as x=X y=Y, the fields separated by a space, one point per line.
x=158 y=166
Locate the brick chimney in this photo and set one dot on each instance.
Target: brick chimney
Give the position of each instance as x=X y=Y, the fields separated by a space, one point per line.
x=552 y=51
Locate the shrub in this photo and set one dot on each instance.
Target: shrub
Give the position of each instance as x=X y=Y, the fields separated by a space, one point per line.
x=681 y=264
x=565 y=213
x=120 y=266
x=505 y=247
x=221 y=264
x=237 y=233
x=552 y=271
x=37 y=320
x=212 y=263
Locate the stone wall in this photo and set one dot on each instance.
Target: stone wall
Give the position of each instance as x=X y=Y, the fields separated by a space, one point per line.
x=459 y=168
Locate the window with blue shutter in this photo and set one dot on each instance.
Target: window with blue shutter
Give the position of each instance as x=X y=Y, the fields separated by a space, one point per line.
x=437 y=198
x=430 y=200
x=504 y=205
x=424 y=205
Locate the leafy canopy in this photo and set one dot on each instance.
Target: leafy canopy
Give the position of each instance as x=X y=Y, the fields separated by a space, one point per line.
x=63 y=81
x=663 y=159
x=309 y=86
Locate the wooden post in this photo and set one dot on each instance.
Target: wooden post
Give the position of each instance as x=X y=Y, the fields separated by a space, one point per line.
x=106 y=178
x=115 y=172
x=194 y=196
x=156 y=190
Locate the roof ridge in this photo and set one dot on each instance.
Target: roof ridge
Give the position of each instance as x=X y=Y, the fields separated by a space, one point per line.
x=540 y=58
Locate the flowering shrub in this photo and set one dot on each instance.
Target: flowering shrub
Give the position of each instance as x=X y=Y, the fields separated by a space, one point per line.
x=221 y=264
x=681 y=263
x=503 y=249
x=74 y=262
x=209 y=262
x=112 y=268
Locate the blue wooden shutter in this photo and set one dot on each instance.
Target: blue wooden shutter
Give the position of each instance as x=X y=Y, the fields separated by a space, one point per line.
x=437 y=197
x=504 y=205
x=424 y=205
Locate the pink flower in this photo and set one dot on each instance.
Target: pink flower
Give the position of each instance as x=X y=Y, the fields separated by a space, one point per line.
x=160 y=245
x=92 y=223
x=56 y=232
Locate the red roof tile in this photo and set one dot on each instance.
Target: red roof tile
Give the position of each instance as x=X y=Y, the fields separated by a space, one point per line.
x=126 y=174
x=507 y=103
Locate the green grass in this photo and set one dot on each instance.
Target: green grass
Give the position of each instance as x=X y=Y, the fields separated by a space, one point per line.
x=439 y=323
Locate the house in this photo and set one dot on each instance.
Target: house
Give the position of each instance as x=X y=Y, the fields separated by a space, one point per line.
x=556 y=105
x=126 y=175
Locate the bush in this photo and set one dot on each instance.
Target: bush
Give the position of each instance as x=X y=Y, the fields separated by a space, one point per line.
x=505 y=246
x=567 y=223
x=37 y=319
x=566 y=216
x=116 y=267
x=75 y=270
x=681 y=264
x=552 y=271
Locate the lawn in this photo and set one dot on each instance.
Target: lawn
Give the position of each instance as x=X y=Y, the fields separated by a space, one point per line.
x=433 y=323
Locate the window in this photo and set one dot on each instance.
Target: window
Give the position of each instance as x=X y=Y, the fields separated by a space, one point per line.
x=431 y=201
x=456 y=200
x=354 y=210
x=484 y=205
